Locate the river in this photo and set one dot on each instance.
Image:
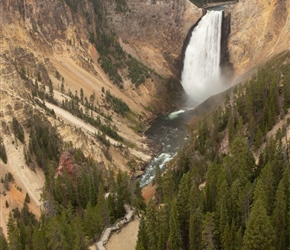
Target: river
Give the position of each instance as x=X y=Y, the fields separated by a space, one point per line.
x=171 y=133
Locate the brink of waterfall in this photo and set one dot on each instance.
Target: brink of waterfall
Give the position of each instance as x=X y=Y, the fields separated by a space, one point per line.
x=201 y=75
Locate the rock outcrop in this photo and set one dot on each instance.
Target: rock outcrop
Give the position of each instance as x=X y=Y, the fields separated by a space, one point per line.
x=154 y=31
x=260 y=29
x=67 y=164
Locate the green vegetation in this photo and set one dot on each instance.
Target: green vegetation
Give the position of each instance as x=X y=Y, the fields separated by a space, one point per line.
x=3 y=242
x=112 y=58
x=119 y=106
x=217 y=195
x=27 y=198
x=44 y=143
x=138 y=72
x=102 y=138
x=75 y=209
x=3 y=155
x=18 y=130
x=7 y=179
x=73 y=107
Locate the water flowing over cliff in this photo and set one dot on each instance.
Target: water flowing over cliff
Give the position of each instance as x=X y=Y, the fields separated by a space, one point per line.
x=201 y=72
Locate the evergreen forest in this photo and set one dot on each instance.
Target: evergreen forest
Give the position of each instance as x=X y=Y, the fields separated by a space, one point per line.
x=76 y=206
x=229 y=187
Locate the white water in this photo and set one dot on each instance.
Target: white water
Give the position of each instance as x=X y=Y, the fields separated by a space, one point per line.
x=159 y=161
x=201 y=72
x=171 y=133
x=175 y=114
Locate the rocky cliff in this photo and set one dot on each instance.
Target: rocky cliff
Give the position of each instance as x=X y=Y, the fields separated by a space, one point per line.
x=55 y=73
x=259 y=30
x=154 y=31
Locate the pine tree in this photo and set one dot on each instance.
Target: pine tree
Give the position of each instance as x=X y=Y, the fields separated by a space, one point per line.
x=280 y=217
x=241 y=158
x=142 y=237
x=93 y=190
x=175 y=235
x=209 y=232
x=103 y=206
x=235 y=192
x=79 y=239
x=138 y=200
x=27 y=198
x=85 y=189
x=82 y=95
x=259 y=234
x=168 y=187
x=151 y=226
x=92 y=222
x=38 y=238
x=244 y=202
x=183 y=207
x=55 y=234
x=239 y=239
x=265 y=188
x=163 y=225
x=211 y=187
x=13 y=234
x=3 y=243
x=227 y=241
x=195 y=229
x=223 y=206
x=123 y=195
x=158 y=181
x=51 y=93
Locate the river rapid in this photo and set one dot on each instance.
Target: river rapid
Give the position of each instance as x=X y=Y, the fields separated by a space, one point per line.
x=171 y=133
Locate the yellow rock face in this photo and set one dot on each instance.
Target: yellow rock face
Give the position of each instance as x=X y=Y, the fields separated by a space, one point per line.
x=260 y=30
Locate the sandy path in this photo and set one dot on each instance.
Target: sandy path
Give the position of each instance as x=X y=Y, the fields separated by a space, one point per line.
x=126 y=239
x=80 y=123
x=74 y=120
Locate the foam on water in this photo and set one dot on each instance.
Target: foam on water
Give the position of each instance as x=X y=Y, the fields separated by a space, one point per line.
x=159 y=161
x=175 y=114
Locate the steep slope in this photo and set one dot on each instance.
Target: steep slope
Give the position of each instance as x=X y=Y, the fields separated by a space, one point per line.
x=215 y=192
x=154 y=31
x=51 y=69
x=259 y=30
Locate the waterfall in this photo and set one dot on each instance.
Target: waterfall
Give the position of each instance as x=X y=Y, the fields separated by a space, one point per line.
x=201 y=71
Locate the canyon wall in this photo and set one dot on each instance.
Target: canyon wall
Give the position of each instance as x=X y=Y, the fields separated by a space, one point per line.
x=260 y=29
x=155 y=30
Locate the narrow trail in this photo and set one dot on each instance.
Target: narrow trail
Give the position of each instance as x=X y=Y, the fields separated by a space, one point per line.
x=119 y=224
